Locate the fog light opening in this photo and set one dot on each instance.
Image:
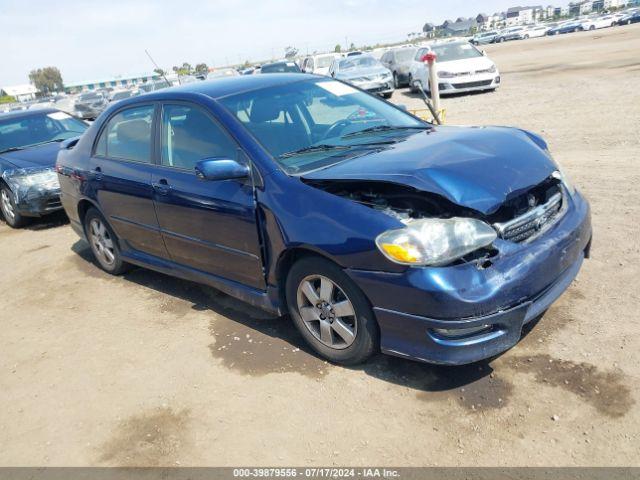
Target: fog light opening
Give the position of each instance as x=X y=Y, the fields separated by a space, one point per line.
x=453 y=333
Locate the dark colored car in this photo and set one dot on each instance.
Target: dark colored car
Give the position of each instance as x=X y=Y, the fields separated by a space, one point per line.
x=569 y=27
x=633 y=17
x=280 y=67
x=398 y=61
x=29 y=144
x=299 y=194
x=89 y=105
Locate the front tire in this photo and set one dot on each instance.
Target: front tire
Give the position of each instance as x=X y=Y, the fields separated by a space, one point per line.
x=104 y=243
x=331 y=312
x=9 y=211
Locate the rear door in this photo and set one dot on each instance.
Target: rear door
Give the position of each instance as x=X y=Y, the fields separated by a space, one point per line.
x=206 y=225
x=120 y=175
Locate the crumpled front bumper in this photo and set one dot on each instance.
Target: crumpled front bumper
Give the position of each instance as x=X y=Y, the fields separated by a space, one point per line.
x=33 y=200
x=414 y=307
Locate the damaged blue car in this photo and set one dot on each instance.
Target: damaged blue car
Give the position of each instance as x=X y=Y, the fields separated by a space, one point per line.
x=29 y=144
x=304 y=195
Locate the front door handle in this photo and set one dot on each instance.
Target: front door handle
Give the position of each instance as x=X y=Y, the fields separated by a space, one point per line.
x=161 y=186
x=97 y=173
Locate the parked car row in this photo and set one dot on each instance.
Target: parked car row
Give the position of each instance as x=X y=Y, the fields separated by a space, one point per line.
x=524 y=32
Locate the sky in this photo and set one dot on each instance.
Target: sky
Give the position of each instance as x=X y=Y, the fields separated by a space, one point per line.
x=90 y=40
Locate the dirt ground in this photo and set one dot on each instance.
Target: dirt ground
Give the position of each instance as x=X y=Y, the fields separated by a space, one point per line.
x=148 y=370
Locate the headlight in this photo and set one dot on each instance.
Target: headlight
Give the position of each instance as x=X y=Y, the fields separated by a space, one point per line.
x=44 y=178
x=560 y=175
x=435 y=241
x=493 y=69
x=444 y=74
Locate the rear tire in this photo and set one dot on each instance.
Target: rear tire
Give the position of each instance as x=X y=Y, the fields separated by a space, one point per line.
x=331 y=312
x=396 y=80
x=104 y=243
x=9 y=211
x=387 y=95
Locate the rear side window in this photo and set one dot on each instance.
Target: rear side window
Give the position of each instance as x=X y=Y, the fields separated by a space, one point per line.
x=189 y=135
x=127 y=135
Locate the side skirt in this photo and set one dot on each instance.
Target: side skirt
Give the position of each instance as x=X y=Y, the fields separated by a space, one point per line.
x=266 y=300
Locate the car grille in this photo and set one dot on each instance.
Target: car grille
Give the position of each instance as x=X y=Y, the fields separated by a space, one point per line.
x=483 y=83
x=530 y=225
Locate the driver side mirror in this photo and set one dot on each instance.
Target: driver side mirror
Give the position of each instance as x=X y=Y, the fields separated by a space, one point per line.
x=484 y=53
x=221 y=169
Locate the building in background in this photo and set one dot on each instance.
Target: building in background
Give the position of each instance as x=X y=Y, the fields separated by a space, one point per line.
x=113 y=82
x=523 y=15
x=22 y=93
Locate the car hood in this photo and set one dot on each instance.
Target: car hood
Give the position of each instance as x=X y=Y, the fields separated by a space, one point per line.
x=475 y=167
x=39 y=156
x=362 y=72
x=466 y=65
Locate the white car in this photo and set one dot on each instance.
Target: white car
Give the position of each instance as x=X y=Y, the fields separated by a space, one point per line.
x=461 y=68
x=536 y=31
x=319 y=64
x=598 y=22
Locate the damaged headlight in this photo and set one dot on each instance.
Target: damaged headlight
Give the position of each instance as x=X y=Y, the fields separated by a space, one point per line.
x=27 y=184
x=45 y=178
x=435 y=241
x=560 y=175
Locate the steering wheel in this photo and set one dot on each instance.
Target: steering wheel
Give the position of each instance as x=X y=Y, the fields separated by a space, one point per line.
x=335 y=129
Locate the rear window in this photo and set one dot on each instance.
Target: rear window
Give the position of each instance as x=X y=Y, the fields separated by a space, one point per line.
x=127 y=135
x=284 y=67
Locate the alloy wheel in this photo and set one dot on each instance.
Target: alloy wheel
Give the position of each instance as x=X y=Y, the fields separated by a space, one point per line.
x=101 y=242
x=327 y=312
x=7 y=206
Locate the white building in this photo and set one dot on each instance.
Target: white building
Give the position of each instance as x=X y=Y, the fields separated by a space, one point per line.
x=22 y=93
x=615 y=3
x=523 y=15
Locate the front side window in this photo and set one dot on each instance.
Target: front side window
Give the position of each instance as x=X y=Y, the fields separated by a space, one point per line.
x=310 y=124
x=127 y=136
x=189 y=135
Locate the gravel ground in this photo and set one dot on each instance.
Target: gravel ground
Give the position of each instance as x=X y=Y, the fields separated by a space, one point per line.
x=148 y=370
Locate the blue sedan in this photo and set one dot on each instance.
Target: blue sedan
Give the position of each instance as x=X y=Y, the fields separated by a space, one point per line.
x=304 y=195
x=29 y=144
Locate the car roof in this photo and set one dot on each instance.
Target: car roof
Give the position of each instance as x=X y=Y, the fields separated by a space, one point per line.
x=223 y=87
x=27 y=113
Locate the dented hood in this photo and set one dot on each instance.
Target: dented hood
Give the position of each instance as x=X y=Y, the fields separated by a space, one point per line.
x=43 y=155
x=474 y=167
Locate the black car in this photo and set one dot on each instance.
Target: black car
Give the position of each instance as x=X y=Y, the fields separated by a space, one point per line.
x=29 y=144
x=280 y=67
x=633 y=17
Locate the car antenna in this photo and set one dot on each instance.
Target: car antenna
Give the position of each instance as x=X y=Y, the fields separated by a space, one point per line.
x=157 y=67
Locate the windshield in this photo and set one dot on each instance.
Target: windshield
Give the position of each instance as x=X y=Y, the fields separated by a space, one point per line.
x=455 y=51
x=324 y=62
x=37 y=129
x=283 y=67
x=358 y=62
x=316 y=123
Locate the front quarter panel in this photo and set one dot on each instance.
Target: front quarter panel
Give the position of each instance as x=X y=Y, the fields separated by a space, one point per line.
x=296 y=215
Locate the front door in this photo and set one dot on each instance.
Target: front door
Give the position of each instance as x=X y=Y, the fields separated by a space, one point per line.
x=120 y=175
x=206 y=225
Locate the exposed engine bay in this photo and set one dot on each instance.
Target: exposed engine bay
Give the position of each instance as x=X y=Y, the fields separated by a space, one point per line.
x=406 y=203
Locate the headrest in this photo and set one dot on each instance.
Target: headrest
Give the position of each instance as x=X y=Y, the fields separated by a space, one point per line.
x=137 y=130
x=264 y=110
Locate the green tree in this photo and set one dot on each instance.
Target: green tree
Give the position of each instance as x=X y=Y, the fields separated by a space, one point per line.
x=201 y=68
x=159 y=71
x=338 y=49
x=47 y=79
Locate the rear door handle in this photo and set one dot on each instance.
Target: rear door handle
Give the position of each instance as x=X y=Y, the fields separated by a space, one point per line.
x=161 y=186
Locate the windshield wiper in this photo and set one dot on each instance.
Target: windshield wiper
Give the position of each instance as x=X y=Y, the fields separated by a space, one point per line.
x=313 y=149
x=385 y=128
x=12 y=149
